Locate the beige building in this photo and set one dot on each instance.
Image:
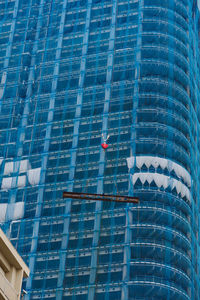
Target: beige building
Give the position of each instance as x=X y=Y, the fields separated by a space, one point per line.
x=12 y=270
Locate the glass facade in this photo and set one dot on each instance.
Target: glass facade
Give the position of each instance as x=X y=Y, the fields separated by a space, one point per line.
x=70 y=72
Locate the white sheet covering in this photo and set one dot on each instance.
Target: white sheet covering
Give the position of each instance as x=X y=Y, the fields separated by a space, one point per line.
x=21 y=181
x=6 y=183
x=8 y=168
x=34 y=176
x=11 y=212
x=11 y=166
x=18 y=210
x=162 y=181
x=24 y=166
x=3 y=208
x=198 y=4
x=163 y=163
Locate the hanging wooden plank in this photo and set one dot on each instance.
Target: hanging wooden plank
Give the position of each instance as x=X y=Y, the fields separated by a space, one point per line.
x=100 y=197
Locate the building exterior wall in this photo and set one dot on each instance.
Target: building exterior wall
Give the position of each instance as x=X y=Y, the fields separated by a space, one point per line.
x=70 y=72
x=6 y=289
x=12 y=270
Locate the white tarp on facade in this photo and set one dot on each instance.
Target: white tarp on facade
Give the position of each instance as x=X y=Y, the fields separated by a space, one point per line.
x=8 y=169
x=34 y=176
x=163 y=163
x=6 y=183
x=12 y=211
x=9 y=182
x=24 y=166
x=21 y=166
x=21 y=181
x=3 y=208
x=198 y=4
x=162 y=181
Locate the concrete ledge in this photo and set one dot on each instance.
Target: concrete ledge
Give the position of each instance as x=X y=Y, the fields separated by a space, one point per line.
x=6 y=289
x=12 y=270
x=10 y=254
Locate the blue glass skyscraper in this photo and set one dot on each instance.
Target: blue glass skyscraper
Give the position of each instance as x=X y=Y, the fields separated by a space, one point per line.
x=70 y=72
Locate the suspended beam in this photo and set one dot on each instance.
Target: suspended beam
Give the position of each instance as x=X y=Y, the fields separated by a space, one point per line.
x=100 y=197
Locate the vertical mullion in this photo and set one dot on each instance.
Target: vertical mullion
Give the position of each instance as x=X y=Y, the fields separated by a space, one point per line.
x=46 y=149
x=77 y=119
x=99 y=206
x=8 y=53
x=127 y=250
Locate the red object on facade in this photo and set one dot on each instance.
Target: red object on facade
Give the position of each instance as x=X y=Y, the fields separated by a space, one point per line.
x=104 y=146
